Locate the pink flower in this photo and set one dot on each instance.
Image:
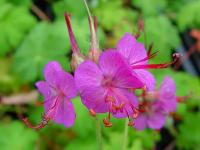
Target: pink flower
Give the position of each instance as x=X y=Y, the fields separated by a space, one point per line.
x=104 y=87
x=137 y=58
x=156 y=106
x=135 y=53
x=57 y=90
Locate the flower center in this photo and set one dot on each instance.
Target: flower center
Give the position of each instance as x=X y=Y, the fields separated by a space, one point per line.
x=107 y=81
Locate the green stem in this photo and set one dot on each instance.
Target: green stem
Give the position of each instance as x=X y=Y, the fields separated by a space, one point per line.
x=125 y=138
x=99 y=134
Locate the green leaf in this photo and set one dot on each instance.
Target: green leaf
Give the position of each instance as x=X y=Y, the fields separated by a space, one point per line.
x=14 y=135
x=68 y=6
x=104 y=12
x=8 y=82
x=191 y=85
x=163 y=35
x=45 y=42
x=189 y=132
x=81 y=145
x=13 y=30
x=188 y=16
x=84 y=125
x=150 y=7
x=144 y=138
x=82 y=34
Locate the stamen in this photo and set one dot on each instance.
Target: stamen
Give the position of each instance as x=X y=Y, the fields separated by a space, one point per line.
x=181 y=99
x=135 y=113
x=106 y=121
x=146 y=58
x=158 y=66
x=110 y=99
x=39 y=104
x=74 y=45
x=130 y=123
x=92 y=112
x=150 y=49
x=39 y=126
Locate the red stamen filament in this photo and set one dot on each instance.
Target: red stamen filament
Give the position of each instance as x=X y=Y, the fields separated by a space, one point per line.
x=92 y=112
x=45 y=118
x=39 y=126
x=146 y=58
x=157 y=66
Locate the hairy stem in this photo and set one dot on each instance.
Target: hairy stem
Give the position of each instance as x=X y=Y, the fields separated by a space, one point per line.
x=125 y=138
x=99 y=134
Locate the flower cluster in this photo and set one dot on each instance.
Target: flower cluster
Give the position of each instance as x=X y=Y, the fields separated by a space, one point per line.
x=106 y=82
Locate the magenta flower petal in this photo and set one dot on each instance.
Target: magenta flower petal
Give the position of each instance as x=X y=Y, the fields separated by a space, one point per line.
x=115 y=68
x=51 y=71
x=88 y=78
x=156 y=120
x=48 y=92
x=57 y=90
x=44 y=89
x=140 y=123
x=147 y=78
x=136 y=54
x=167 y=94
x=104 y=87
x=65 y=114
x=60 y=79
x=129 y=99
x=131 y=49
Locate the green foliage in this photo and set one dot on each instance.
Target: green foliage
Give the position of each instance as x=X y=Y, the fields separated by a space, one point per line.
x=188 y=16
x=36 y=44
x=16 y=136
x=44 y=43
x=142 y=138
x=19 y=3
x=63 y=6
x=12 y=27
x=191 y=87
x=150 y=7
x=81 y=145
x=163 y=35
x=189 y=132
x=8 y=82
x=82 y=34
x=191 y=83
x=85 y=124
x=105 y=10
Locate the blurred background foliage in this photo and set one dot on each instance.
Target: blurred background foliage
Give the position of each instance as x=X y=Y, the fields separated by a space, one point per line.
x=34 y=32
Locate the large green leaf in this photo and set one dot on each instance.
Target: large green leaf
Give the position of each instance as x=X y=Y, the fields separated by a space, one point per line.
x=186 y=84
x=8 y=82
x=44 y=43
x=105 y=9
x=189 y=132
x=12 y=27
x=163 y=35
x=150 y=7
x=188 y=16
x=63 y=6
x=15 y=135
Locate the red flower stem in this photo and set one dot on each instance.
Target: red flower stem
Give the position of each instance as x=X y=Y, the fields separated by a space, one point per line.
x=71 y=34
